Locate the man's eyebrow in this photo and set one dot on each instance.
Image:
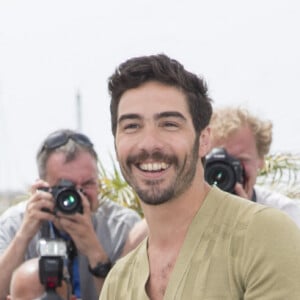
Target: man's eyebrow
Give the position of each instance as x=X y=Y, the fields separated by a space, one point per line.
x=128 y=117
x=167 y=114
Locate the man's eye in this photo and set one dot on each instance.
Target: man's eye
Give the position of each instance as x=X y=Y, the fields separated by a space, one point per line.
x=170 y=125
x=131 y=126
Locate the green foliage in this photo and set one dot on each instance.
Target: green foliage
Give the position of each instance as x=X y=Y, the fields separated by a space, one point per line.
x=115 y=188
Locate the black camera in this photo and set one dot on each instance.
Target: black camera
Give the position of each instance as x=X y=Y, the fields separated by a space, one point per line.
x=223 y=170
x=67 y=198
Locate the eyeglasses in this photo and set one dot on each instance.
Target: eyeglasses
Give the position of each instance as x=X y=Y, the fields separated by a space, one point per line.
x=58 y=139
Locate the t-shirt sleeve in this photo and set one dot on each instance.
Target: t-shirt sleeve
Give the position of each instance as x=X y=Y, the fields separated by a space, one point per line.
x=7 y=231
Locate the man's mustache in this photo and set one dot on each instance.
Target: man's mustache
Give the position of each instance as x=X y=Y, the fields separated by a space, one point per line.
x=155 y=156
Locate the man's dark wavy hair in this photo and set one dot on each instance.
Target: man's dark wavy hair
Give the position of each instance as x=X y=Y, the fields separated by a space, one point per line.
x=160 y=68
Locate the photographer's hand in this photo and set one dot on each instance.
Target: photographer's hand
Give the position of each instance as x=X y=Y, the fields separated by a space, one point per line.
x=240 y=191
x=38 y=209
x=80 y=228
x=14 y=254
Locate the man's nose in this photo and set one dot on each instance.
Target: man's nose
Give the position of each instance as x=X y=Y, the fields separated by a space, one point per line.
x=151 y=139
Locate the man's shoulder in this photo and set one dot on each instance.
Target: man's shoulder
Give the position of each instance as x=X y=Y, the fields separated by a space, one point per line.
x=10 y=222
x=232 y=211
x=227 y=202
x=243 y=218
x=14 y=212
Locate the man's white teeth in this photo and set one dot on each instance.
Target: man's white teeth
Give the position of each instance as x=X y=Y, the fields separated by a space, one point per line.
x=154 y=166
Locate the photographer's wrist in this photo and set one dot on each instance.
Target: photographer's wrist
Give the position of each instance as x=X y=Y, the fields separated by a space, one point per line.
x=96 y=257
x=99 y=263
x=101 y=269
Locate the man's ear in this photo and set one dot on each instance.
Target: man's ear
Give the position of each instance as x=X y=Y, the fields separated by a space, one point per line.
x=204 y=142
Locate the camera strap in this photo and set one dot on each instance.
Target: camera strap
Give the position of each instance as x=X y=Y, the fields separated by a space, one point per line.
x=73 y=267
x=72 y=262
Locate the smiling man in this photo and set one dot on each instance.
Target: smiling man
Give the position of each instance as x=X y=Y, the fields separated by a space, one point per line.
x=202 y=243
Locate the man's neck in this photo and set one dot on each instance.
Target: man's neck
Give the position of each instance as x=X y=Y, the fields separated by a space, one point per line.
x=168 y=224
x=170 y=221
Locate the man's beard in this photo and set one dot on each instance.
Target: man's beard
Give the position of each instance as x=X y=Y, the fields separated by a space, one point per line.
x=153 y=194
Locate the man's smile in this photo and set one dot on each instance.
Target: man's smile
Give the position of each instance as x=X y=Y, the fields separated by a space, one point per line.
x=153 y=166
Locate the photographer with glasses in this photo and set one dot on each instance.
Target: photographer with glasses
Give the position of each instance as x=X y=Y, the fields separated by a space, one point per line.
x=67 y=198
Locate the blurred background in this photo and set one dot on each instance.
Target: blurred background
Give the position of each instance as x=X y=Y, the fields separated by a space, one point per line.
x=56 y=57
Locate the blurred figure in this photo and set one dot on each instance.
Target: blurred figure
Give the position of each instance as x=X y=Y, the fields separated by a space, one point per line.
x=96 y=231
x=248 y=139
x=25 y=283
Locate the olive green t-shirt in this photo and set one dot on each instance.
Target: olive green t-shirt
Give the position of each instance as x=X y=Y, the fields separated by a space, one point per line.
x=234 y=249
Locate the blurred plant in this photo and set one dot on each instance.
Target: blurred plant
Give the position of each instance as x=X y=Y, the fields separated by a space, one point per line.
x=282 y=173
x=115 y=188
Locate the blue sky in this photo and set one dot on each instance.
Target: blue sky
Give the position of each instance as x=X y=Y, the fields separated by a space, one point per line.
x=247 y=51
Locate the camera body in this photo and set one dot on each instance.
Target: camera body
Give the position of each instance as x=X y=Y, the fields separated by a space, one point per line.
x=66 y=196
x=223 y=170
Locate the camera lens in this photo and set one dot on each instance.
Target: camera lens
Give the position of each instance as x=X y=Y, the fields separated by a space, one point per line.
x=68 y=201
x=222 y=176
